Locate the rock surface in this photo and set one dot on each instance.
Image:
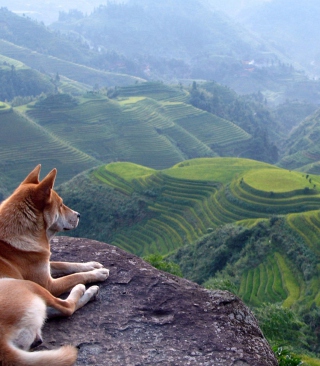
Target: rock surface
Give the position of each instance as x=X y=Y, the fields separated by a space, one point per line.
x=146 y=317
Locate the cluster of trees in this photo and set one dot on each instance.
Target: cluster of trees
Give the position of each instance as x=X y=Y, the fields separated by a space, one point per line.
x=21 y=82
x=249 y=113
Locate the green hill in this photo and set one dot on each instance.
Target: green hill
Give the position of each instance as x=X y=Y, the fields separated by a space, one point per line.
x=228 y=222
x=302 y=146
x=74 y=71
x=24 y=144
x=185 y=202
x=146 y=131
x=148 y=124
x=16 y=79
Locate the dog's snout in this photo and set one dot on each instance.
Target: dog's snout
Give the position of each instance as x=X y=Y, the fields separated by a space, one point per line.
x=78 y=215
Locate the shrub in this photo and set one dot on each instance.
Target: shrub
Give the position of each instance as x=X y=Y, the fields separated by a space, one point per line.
x=286 y=358
x=280 y=325
x=158 y=261
x=216 y=283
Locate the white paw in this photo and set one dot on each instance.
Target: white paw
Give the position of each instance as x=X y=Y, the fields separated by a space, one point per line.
x=90 y=294
x=101 y=274
x=81 y=289
x=93 y=291
x=90 y=266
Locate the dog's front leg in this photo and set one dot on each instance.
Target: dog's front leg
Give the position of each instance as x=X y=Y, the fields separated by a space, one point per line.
x=58 y=286
x=59 y=269
x=78 y=297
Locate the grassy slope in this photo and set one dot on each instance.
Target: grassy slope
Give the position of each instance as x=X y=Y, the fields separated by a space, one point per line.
x=24 y=80
x=181 y=204
x=302 y=147
x=146 y=131
x=153 y=127
x=52 y=65
x=25 y=144
x=271 y=258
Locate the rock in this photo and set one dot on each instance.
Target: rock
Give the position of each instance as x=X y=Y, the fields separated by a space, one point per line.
x=147 y=317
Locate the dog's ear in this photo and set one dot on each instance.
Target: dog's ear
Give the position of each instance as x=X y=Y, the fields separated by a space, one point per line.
x=47 y=183
x=33 y=176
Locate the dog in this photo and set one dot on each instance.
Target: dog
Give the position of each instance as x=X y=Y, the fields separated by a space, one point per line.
x=29 y=282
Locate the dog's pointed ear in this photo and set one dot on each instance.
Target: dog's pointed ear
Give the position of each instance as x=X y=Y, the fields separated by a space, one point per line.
x=47 y=183
x=33 y=176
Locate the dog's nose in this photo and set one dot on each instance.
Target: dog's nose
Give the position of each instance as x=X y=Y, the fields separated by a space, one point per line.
x=78 y=215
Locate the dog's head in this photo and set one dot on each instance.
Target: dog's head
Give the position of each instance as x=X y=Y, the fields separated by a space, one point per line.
x=41 y=195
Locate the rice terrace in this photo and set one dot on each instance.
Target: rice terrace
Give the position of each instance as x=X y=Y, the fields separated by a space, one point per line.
x=185 y=206
x=189 y=137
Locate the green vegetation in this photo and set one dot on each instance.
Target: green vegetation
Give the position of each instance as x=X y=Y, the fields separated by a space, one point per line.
x=286 y=358
x=158 y=261
x=188 y=200
x=24 y=144
x=302 y=147
x=18 y=80
x=229 y=223
x=156 y=131
x=279 y=324
x=248 y=112
x=74 y=71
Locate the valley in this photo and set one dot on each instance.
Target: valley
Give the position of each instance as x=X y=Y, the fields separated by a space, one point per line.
x=187 y=137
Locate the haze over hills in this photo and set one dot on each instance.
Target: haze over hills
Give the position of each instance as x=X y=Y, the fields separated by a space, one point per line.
x=290 y=26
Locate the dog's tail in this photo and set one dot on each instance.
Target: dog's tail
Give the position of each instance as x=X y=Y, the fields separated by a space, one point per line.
x=63 y=356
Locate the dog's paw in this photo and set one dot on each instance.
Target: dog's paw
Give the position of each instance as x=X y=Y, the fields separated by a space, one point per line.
x=79 y=289
x=93 y=292
x=101 y=274
x=90 y=266
x=89 y=295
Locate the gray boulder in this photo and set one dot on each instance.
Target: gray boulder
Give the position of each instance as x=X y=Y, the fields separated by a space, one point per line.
x=147 y=317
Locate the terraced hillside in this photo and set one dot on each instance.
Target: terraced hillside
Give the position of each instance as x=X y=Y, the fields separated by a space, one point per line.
x=154 y=90
x=157 y=130
x=302 y=147
x=53 y=65
x=146 y=131
x=193 y=198
x=24 y=144
x=229 y=223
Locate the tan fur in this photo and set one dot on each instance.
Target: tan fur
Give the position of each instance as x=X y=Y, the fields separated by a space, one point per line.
x=28 y=220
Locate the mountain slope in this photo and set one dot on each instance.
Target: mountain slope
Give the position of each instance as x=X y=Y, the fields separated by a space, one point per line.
x=157 y=131
x=180 y=204
x=291 y=26
x=138 y=129
x=53 y=65
x=16 y=79
x=175 y=39
x=229 y=223
x=302 y=146
x=24 y=144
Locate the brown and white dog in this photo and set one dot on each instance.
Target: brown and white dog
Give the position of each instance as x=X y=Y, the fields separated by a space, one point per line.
x=28 y=219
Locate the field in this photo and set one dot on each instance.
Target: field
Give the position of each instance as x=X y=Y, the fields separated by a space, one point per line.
x=193 y=209
x=24 y=144
x=185 y=207
x=53 y=65
x=153 y=127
